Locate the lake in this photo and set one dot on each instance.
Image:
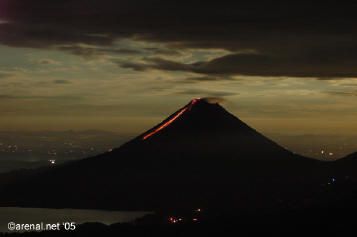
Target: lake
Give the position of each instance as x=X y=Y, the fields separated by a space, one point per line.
x=20 y=215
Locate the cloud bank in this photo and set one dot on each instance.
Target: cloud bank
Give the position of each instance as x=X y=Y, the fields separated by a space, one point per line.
x=295 y=38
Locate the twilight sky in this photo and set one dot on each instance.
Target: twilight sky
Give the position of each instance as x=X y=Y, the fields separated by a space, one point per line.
x=282 y=67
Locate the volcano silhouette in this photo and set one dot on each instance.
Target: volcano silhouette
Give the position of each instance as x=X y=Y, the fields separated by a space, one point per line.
x=200 y=156
x=205 y=129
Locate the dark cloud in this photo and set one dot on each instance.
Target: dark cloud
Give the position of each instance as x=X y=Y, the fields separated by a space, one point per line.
x=47 y=61
x=4 y=74
x=206 y=93
x=215 y=100
x=292 y=38
x=342 y=93
x=78 y=50
x=60 y=81
x=162 y=51
x=86 y=51
x=38 y=97
x=260 y=65
x=157 y=63
x=208 y=78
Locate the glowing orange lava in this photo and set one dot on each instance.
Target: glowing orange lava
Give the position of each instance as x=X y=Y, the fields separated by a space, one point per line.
x=166 y=124
x=194 y=101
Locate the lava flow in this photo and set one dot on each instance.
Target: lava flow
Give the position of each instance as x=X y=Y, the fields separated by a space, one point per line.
x=183 y=110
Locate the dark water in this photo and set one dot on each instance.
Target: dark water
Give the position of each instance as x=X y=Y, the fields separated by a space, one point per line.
x=52 y=216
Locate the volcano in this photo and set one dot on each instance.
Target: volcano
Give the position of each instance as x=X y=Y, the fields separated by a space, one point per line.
x=204 y=129
x=200 y=156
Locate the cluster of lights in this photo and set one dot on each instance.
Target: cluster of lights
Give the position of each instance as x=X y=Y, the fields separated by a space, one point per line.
x=332 y=181
x=176 y=220
x=329 y=153
x=52 y=162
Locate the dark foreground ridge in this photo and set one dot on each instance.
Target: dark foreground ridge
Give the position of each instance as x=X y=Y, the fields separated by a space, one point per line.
x=199 y=157
x=293 y=224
